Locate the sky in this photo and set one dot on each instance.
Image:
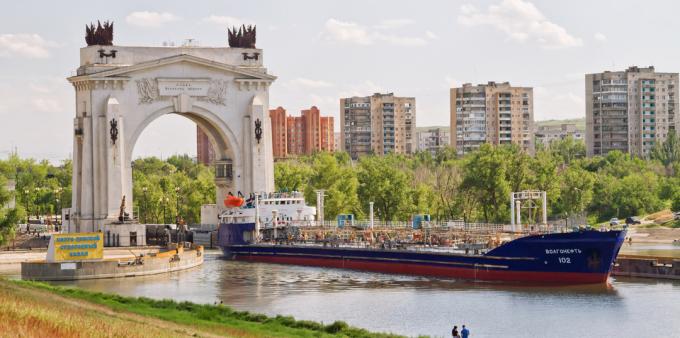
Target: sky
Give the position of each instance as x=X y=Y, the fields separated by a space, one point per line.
x=323 y=50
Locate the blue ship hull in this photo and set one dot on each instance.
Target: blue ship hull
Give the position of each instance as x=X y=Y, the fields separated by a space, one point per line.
x=569 y=258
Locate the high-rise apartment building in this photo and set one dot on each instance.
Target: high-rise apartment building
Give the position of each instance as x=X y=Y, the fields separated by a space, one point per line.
x=548 y=133
x=497 y=113
x=337 y=142
x=378 y=124
x=279 y=132
x=433 y=139
x=204 y=150
x=301 y=135
x=327 y=133
x=312 y=129
x=629 y=110
x=295 y=128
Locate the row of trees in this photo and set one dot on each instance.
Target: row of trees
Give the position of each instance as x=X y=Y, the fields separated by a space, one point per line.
x=40 y=189
x=477 y=187
x=176 y=186
x=162 y=189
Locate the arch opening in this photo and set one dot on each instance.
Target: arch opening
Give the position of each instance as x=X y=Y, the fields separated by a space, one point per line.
x=168 y=189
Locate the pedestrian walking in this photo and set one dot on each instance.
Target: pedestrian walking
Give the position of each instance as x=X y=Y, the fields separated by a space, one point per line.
x=454 y=332
x=465 y=333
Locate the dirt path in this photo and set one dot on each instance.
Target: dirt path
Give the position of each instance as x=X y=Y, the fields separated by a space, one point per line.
x=655 y=235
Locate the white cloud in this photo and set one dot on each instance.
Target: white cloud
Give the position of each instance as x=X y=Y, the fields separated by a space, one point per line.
x=28 y=45
x=451 y=82
x=352 y=32
x=557 y=102
x=39 y=88
x=600 y=37
x=347 y=32
x=47 y=105
x=401 y=40
x=229 y=21
x=324 y=101
x=431 y=35
x=394 y=23
x=150 y=19
x=45 y=99
x=571 y=97
x=309 y=83
x=51 y=95
x=361 y=89
x=521 y=21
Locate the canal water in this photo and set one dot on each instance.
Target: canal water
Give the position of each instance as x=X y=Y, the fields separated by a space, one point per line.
x=414 y=305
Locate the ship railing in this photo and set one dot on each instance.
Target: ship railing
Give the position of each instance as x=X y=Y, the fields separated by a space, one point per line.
x=275 y=195
x=477 y=227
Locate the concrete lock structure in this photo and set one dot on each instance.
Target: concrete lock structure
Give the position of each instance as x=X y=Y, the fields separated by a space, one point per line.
x=121 y=90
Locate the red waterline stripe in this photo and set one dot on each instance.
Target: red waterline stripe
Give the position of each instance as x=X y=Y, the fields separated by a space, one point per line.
x=435 y=271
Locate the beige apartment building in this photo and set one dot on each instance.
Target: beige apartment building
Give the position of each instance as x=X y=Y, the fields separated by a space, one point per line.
x=497 y=113
x=547 y=134
x=629 y=110
x=377 y=124
x=433 y=139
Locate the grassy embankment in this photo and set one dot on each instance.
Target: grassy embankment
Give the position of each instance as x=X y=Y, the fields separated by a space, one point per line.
x=31 y=309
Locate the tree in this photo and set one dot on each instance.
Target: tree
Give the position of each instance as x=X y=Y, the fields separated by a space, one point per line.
x=544 y=176
x=291 y=175
x=668 y=151
x=637 y=194
x=447 y=180
x=338 y=180
x=576 y=187
x=484 y=176
x=517 y=162
x=382 y=182
x=675 y=202
x=155 y=183
x=568 y=149
x=9 y=218
x=605 y=188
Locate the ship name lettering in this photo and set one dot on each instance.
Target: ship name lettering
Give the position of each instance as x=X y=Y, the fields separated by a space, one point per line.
x=562 y=251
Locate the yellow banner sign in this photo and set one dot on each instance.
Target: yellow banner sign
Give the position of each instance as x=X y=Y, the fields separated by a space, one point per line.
x=77 y=246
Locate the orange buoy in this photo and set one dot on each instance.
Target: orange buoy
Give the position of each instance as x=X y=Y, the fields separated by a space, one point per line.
x=233 y=201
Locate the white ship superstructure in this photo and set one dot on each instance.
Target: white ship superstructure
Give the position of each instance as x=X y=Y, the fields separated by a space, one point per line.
x=283 y=208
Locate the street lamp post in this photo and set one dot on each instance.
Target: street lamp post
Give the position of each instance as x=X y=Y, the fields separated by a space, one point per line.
x=177 y=190
x=57 y=194
x=165 y=201
x=28 y=213
x=145 y=204
x=37 y=207
x=162 y=202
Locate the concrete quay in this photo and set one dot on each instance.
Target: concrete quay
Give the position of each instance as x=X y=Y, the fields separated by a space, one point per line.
x=11 y=260
x=131 y=266
x=647 y=267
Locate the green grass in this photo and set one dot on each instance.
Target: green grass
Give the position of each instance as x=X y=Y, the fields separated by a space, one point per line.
x=210 y=317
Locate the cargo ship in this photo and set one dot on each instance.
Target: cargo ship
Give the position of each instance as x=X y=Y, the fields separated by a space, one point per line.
x=577 y=257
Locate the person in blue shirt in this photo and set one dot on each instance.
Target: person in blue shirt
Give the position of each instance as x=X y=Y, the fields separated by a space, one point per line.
x=465 y=333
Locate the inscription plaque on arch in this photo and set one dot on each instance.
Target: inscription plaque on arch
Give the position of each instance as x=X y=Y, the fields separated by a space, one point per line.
x=191 y=87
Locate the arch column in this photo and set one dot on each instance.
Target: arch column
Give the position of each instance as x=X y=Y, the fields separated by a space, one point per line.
x=257 y=148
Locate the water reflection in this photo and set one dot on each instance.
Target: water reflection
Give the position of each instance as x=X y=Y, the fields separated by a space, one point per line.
x=280 y=280
x=416 y=305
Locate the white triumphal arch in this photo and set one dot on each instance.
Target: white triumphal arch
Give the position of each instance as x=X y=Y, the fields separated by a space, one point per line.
x=120 y=90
